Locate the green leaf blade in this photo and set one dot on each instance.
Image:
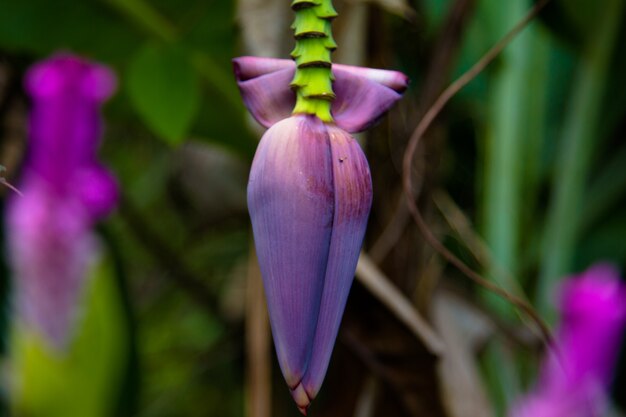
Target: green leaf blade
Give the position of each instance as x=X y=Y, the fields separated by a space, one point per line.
x=165 y=90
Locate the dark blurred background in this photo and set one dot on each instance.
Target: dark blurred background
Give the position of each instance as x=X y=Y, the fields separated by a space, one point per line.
x=523 y=176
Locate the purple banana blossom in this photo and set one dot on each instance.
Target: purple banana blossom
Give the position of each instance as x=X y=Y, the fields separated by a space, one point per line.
x=65 y=191
x=574 y=379
x=309 y=197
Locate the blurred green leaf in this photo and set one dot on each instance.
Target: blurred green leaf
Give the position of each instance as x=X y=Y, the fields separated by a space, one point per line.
x=605 y=242
x=144 y=15
x=605 y=190
x=84 y=380
x=165 y=90
x=584 y=14
x=577 y=143
x=42 y=27
x=211 y=28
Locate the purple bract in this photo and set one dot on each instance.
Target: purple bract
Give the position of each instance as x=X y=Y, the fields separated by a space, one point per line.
x=309 y=197
x=574 y=379
x=65 y=191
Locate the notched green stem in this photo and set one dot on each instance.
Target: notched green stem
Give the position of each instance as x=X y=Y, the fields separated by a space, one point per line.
x=314 y=45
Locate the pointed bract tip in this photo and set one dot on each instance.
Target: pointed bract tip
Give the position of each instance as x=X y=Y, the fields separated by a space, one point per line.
x=301 y=398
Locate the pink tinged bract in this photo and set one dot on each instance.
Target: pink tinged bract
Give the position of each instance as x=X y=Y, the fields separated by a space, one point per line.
x=352 y=203
x=66 y=190
x=51 y=248
x=573 y=381
x=290 y=199
x=309 y=197
x=363 y=94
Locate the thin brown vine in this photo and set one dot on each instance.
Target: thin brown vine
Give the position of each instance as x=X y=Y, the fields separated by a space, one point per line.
x=409 y=154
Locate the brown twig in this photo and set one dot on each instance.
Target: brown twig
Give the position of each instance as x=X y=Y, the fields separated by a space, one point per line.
x=7 y=184
x=441 y=62
x=446 y=49
x=377 y=368
x=258 y=345
x=375 y=282
x=417 y=135
x=10 y=92
x=462 y=227
x=3 y=169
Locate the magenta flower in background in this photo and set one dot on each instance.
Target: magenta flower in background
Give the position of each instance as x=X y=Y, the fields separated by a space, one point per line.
x=309 y=197
x=574 y=381
x=65 y=192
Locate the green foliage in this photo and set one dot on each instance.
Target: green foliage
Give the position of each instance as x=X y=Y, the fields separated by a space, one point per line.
x=165 y=89
x=82 y=381
x=170 y=68
x=562 y=232
x=42 y=27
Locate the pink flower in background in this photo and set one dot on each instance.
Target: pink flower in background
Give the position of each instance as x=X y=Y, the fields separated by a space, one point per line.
x=65 y=192
x=309 y=197
x=574 y=380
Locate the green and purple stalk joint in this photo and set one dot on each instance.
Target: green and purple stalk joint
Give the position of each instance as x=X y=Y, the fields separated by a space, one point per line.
x=314 y=44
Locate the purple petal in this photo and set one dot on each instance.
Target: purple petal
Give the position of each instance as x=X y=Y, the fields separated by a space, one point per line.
x=248 y=67
x=394 y=80
x=97 y=190
x=290 y=199
x=65 y=122
x=593 y=308
x=65 y=74
x=360 y=102
x=574 y=404
x=264 y=85
x=51 y=250
x=353 y=199
x=363 y=94
x=574 y=380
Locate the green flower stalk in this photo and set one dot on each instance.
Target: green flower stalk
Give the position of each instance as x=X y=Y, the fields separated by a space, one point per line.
x=314 y=44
